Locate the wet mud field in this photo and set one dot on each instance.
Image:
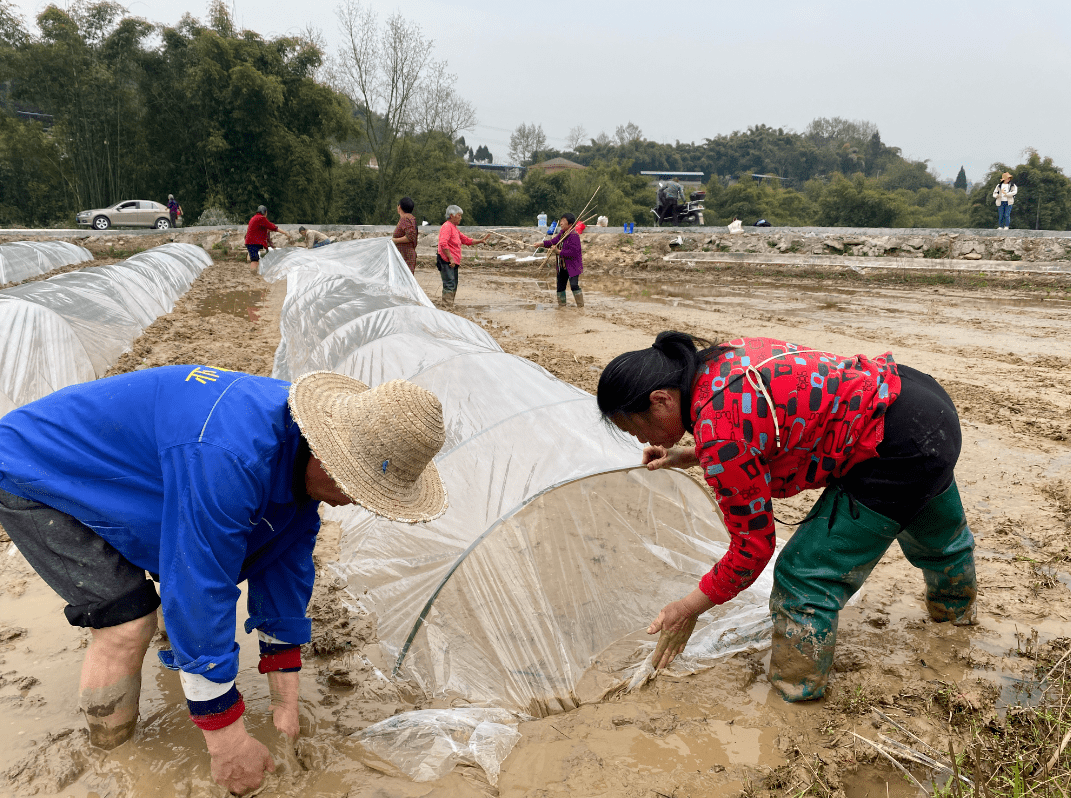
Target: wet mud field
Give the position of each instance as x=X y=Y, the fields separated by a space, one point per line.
x=1004 y=355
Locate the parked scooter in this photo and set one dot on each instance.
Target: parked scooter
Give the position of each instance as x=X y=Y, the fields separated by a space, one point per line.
x=690 y=213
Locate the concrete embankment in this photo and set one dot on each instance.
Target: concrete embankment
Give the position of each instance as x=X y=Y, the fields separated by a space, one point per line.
x=1042 y=251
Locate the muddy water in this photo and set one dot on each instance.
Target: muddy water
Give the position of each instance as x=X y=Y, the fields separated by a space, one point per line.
x=236 y=303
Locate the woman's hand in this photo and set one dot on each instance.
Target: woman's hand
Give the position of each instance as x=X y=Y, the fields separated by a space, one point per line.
x=676 y=622
x=655 y=457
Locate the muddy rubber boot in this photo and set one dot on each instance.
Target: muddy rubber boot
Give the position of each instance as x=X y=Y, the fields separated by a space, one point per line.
x=561 y=299
x=820 y=568
x=448 y=298
x=939 y=542
x=578 y=295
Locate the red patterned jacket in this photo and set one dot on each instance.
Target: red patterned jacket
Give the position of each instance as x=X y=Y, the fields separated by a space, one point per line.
x=830 y=414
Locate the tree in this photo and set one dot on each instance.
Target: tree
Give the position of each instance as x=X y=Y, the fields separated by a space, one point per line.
x=390 y=77
x=626 y=133
x=577 y=136
x=837 y=130
x=602 y=139
x=247 y=124
x=463 y=150
x=85 y=69
x=33 y=187
x=961 y=179
x=525 y=142
x=858 y=202
x=483 y=155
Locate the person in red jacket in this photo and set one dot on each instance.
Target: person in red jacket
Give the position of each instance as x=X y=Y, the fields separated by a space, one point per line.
x=772 y=419
x=257 y=235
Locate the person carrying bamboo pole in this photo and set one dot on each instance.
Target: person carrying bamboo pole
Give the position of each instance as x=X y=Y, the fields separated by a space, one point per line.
x=566 y=245
x=203 y=478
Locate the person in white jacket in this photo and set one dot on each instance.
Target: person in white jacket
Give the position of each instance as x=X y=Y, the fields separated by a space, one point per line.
x=1004 y=194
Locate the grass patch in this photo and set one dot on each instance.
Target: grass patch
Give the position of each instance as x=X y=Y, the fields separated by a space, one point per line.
x=1026 y=752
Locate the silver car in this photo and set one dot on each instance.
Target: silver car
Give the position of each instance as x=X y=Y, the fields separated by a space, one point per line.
x=128 y=213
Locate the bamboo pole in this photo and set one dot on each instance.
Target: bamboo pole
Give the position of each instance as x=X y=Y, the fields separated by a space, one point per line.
x=578 y=216
x=513 y=240
x=578 y=222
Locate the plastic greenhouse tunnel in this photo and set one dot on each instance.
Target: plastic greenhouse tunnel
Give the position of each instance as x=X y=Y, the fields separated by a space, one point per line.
x=73 y=327
x=24 y=259
x=534 y=590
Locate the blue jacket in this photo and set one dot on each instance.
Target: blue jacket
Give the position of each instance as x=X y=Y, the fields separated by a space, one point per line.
x=187 y=471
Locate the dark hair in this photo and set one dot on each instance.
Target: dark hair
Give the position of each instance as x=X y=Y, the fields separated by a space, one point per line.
x=672 y=361
x=568 y=217
x=406 y=204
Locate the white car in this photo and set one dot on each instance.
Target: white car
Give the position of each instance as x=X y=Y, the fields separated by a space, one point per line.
x=128 y=213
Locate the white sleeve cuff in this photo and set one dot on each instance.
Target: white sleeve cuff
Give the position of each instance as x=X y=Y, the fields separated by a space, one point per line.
x=199 y=688
x=267 y=638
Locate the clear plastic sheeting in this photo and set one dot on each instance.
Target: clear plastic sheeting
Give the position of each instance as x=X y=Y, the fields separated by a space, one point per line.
x=73 y=327
x=533 y=591
x=24 y=259
x=549 y=608
x=383 y=271
x=30 y=337
x=426 y=744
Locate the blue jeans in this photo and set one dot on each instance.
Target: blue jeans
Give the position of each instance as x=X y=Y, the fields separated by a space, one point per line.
x=321 y=243
x=1004 y=215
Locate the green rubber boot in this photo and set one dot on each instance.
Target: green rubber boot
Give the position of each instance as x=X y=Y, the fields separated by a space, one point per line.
x=561 y=298
x=578 y=295
x=822 y=566
x=939 y=542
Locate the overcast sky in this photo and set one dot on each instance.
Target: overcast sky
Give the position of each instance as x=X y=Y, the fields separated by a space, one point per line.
x=956 y=82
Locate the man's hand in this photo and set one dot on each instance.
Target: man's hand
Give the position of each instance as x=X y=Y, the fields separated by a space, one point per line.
x=676 y=622
x=655 y=457
x=238 y=761
x=284 y=701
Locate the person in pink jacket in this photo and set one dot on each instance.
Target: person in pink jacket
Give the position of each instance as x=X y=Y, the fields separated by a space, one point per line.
x=448 y=253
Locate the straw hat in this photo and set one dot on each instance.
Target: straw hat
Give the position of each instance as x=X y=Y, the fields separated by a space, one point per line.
x=1006 y=174
x=376 y=444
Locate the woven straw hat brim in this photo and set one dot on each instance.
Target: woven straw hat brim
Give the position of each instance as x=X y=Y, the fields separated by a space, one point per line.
x=352 y=430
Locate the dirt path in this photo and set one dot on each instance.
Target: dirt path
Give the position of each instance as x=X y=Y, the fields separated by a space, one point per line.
x=1005 y=358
